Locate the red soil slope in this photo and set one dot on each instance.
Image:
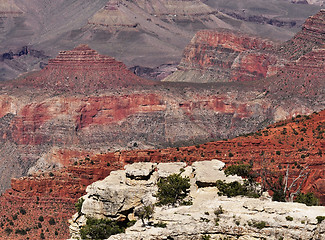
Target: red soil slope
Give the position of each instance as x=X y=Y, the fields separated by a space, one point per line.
x=297 y=142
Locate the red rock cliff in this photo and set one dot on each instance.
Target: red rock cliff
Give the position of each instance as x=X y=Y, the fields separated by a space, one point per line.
x=222 y=56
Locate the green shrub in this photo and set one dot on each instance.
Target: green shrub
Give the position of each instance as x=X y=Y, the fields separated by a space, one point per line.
x=218 y=211
x=21 y=231
x=235 y=189
x=160 y=225
x=8 y=230
x=22 y=211
x=172 y=190
x=78 y=204
x=41 y=218
x=320 y=219
x=289 y=218
x=52 y=221
x=100 y=229
x=205 y=237
x=309 y=199
x=259 y=225
x=145 y=212
x=243 y=170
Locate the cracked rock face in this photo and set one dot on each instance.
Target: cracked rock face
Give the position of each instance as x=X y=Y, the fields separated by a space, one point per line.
x=242 y=218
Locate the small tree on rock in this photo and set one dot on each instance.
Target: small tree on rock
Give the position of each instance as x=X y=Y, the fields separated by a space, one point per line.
x=172 y=190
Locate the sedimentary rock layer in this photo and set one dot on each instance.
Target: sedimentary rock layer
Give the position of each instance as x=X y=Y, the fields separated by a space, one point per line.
x=223 y=56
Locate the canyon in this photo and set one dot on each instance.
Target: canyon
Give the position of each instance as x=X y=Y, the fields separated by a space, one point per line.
x=85 y=114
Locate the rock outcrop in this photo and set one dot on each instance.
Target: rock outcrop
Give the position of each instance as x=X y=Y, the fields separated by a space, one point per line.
x=120 y=194
x=223 y=56
x=8 y=7
x=83 y=70
x=226 y=56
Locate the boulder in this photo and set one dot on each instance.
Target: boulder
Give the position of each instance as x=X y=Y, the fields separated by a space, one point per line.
x=208 y=172
x=140 y=170
x=166 y=169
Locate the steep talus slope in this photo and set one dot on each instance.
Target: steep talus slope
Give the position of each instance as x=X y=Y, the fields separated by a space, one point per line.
x=304 y=77
x=311 y=36
x=295 y=143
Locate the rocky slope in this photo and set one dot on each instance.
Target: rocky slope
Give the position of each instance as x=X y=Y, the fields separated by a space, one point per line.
x=311 y=36
x=46 y=125
x=123 y=192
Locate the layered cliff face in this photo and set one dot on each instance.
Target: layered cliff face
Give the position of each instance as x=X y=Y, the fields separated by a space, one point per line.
x=222 y=56
x=315 y=2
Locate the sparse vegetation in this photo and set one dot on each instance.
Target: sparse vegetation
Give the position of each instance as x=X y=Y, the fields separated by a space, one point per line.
x=257 y=224
x=205 y=237
x=20 y=231
x=160 y=225
x=22 y=211
x=8 y=230
x=218 y=212
x=52 y=221
x=243 y=170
